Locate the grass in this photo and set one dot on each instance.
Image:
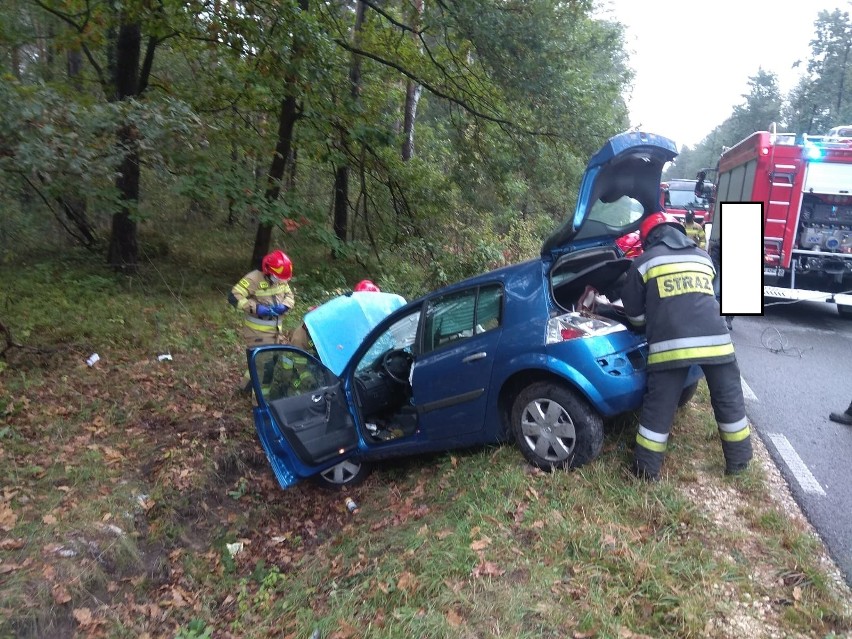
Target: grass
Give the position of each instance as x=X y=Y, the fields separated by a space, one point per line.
x=124 y=486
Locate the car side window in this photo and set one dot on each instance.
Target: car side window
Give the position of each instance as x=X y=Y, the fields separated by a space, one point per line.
x=457 y=316
x=489 y=308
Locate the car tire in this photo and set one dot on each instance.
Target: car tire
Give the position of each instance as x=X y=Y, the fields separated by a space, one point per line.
x=844 y=311
x=687 y=394
x=555 y=427
x=347 y=473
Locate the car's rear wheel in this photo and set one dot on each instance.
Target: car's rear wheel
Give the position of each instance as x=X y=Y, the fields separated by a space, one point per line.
x=555 y=427
x=346 y=473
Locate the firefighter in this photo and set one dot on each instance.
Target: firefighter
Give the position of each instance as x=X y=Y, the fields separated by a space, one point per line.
x=842 y=418
x=669 y=295
x=300 y=336
x=694 y=230
x=265 y=297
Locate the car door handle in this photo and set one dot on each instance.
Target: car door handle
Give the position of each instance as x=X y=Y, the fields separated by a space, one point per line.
x=474 y=357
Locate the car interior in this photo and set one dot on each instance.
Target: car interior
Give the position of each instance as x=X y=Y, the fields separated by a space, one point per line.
x=602 y=270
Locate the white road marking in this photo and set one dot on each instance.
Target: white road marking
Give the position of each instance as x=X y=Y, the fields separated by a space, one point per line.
x=747 y=392
x=804 y=476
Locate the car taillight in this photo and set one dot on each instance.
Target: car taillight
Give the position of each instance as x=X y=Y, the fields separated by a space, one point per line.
x=576 y=325
x=571 y=333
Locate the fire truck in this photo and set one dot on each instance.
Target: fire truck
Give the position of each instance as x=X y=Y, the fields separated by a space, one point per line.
x=679 y=196
x=805 y=185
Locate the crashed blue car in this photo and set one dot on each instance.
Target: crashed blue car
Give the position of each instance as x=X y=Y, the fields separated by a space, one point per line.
x=537 y=353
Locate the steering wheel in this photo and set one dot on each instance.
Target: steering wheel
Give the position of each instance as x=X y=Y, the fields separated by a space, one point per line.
x=397 y=364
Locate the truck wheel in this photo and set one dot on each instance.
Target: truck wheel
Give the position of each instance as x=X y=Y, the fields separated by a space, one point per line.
x=554 y=427
x=844 y=311
x=346 y=473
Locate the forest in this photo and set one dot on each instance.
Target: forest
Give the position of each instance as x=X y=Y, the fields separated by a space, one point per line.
x=415 y=141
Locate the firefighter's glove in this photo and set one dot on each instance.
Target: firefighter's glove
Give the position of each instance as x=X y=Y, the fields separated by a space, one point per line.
x=265 y=312
x=280 y=309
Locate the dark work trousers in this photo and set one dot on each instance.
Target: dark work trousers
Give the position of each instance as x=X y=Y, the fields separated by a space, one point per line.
x=660 y=404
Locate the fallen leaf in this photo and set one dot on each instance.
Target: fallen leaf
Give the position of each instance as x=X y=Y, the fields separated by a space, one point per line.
x=83 y=616
x=407 y=582
x=480 y=544
x=49 y=519
x=5 y=569
x=7 y=517
x=488 y=569
x=797 y=593
x=344 y=630
x=61 y=594
x=454 y=619
x=443 y=534
x=11 y=544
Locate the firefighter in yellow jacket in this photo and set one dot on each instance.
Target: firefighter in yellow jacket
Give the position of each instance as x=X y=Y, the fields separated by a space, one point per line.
x=694 y=230
x=265 y=297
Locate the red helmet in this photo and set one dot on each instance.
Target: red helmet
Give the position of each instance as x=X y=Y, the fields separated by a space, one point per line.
x=366 y=286
x=656 y=219
x=277 y=264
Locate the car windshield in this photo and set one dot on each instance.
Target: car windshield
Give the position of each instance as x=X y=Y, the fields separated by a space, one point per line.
x=682 y=199
x=400 y=335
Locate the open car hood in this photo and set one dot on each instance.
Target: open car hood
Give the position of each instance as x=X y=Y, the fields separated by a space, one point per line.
x=338 y=327
x=620 y=187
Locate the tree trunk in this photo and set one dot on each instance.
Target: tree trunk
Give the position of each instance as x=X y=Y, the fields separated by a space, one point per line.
x=341 y=177
x=341 y=202
x=123 y=247
x=16 y=62
x=412 y=96
x=123 y=254
x=286 y=121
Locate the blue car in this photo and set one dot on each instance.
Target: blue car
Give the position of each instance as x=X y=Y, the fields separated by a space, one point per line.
x=538 y=353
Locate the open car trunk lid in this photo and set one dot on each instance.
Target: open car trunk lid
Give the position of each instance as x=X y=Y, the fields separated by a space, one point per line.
x=620 y=187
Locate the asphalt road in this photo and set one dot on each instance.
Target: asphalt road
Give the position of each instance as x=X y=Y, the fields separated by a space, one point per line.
x=796 y=363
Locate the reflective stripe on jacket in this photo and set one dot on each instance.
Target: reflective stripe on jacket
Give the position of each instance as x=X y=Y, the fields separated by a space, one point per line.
x=255 y=288
x=670 y=292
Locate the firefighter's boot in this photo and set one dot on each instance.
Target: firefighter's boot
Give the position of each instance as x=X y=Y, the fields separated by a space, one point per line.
x=640 y=471
x=647 y=461
x=736 y=446
x=842 y=418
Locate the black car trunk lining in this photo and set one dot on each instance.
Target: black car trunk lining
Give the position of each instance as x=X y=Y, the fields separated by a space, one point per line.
x=607 y=277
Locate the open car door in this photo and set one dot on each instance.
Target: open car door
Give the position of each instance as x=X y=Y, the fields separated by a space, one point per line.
x=302 y=416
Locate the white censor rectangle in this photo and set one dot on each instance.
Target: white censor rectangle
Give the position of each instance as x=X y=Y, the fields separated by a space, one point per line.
x=741 y=234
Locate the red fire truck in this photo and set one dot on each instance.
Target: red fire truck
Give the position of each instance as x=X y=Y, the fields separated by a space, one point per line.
x=806 y=190
x=678 y=197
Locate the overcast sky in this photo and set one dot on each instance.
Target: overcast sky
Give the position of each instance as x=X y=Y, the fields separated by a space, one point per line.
x=692 y=60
